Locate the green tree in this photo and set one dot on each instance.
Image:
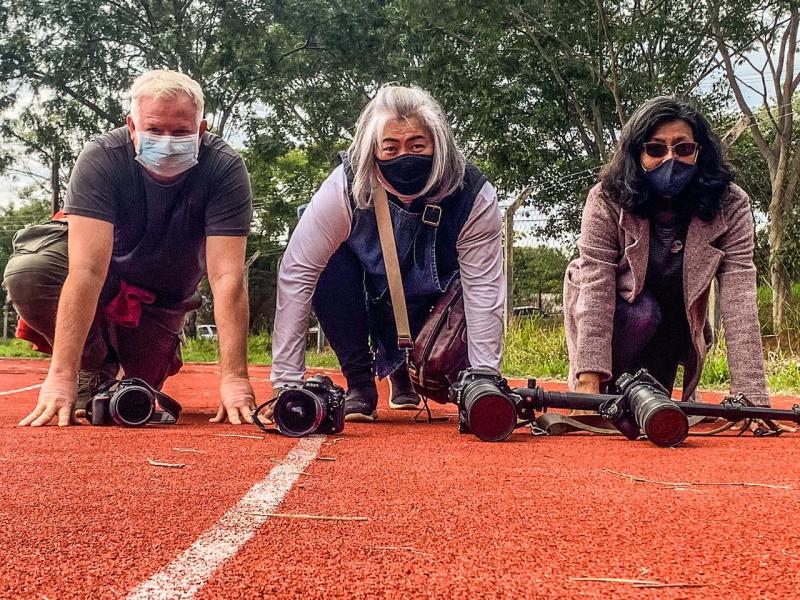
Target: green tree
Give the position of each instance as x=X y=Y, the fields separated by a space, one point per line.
x=537 y=270
x=538 y=89
x=771 y=28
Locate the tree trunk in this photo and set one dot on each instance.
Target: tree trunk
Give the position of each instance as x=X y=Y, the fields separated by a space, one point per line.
x=779 y=278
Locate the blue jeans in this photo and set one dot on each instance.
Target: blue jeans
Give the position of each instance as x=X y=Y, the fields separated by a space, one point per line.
x=340 y=303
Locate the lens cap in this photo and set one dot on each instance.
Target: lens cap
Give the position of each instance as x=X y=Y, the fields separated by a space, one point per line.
x=666 y=426
x=492 y=417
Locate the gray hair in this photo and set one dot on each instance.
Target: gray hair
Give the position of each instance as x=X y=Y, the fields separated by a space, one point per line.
x=393 y=102
x=164 y=83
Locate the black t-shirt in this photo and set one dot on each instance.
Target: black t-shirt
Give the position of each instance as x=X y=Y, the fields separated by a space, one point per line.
x=160 y=230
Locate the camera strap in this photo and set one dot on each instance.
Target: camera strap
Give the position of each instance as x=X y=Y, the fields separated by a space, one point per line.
x=170 y=409
x=392 y=265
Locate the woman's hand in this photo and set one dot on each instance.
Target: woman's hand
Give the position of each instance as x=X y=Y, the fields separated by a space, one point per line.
x=588 y=383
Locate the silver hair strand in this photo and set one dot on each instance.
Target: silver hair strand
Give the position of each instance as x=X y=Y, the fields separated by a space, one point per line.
x=393 y=102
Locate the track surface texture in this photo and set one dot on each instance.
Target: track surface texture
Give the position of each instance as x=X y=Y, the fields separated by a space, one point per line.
x=84 y=515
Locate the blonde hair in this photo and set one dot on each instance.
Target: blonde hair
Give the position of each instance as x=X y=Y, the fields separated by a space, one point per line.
x=394 y=102
x=164 y=83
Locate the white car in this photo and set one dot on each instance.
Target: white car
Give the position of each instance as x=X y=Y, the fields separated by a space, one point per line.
x=207 y=332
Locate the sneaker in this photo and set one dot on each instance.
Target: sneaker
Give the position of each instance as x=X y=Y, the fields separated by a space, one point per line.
x=89 y=382
x=361 y=403
x=402 y=395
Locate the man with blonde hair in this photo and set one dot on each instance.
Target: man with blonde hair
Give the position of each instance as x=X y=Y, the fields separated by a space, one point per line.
x=150 y=206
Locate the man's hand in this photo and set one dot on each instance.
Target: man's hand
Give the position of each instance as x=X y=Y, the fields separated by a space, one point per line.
x=237 y=400
x=57 y=397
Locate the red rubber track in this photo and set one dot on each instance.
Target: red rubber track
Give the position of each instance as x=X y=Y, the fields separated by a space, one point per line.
x=83 y=515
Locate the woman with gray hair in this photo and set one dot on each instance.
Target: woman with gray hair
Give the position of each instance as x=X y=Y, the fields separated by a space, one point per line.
x=447 y=224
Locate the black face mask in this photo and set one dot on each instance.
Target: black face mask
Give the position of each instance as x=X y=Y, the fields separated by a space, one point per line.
x=408 y=173
x=671 y=177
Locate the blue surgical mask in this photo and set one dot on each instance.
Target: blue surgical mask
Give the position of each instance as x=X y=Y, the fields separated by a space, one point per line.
x=670 y=178
x=166 y=155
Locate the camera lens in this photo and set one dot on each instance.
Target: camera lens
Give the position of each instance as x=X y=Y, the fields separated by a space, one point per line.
x=298 y=412
x=491 y=415
x=662 y=421
x=132 y=406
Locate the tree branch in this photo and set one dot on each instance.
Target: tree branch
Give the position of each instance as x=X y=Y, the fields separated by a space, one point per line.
x=758 y=137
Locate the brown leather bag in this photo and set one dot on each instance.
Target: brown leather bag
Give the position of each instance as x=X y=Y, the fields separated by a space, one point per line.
x=439 y=352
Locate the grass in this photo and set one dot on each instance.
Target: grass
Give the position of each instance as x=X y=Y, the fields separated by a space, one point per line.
x=533 y=347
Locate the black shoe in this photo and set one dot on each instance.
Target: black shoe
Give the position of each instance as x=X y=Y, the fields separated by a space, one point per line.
x=89 y=382
x=402 y=395
x=361 y=403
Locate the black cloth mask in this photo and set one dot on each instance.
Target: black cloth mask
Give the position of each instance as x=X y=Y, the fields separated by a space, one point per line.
x=408 y=173
x=671 y=177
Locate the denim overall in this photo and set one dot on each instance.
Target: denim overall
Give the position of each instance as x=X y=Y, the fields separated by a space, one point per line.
x=352 y=300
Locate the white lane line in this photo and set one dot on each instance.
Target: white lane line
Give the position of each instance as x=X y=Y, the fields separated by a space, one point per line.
x=25 y=389
x=189 y=572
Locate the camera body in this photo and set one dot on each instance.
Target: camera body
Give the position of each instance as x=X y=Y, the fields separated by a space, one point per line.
x=317 y=406
x=486 y=405
x=131 y=403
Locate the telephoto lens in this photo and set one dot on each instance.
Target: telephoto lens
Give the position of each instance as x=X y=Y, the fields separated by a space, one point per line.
x=656 y=414
x=298 y=412
x=484 y=408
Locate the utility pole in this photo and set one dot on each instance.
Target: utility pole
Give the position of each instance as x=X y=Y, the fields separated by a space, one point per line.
x=509 y=252
x=247 y=266
x=5 y=323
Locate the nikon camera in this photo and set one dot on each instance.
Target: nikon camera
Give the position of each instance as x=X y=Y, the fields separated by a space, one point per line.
x=131 y=403
x=486 y=405
x=317 y=406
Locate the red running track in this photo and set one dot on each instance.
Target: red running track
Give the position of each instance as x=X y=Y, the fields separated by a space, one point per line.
x=84 y=515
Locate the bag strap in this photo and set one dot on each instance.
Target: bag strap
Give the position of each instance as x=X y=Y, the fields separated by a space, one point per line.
x=558 y=424
x=392 y=265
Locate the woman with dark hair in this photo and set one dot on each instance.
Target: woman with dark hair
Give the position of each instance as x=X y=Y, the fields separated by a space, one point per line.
x=662 y=224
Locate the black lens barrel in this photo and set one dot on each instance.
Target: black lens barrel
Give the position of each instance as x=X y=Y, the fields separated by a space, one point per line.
x=661 y=420
x=491 y=414
x=132 y=406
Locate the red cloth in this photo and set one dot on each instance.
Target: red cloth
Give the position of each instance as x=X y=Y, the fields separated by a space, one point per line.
x=126 y=308
x=39 y=342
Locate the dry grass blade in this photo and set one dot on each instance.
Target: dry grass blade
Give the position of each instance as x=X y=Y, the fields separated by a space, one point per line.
x=326 y=458
x=311 y=517
x=403 y=549
x=189 y=450
x=686 y=484
x=334 y=440
x=789 y=554
x=239 y=435
x=668 y=585
x=617 y=580
x=166 y=465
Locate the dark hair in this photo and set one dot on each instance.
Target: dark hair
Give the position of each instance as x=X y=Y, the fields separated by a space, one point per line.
x=624 y=180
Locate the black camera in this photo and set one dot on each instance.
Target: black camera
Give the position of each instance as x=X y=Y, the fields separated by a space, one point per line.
x=131 y=403
x=317 y=406
x=645 y=406
x=486 y=405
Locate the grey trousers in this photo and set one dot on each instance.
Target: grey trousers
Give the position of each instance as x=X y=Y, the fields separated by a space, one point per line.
x=33 y=280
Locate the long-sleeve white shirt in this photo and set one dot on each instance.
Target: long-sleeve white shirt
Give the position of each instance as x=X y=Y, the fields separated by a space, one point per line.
x=326 y=225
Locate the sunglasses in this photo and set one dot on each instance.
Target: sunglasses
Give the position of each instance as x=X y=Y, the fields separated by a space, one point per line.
x=659 y=150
